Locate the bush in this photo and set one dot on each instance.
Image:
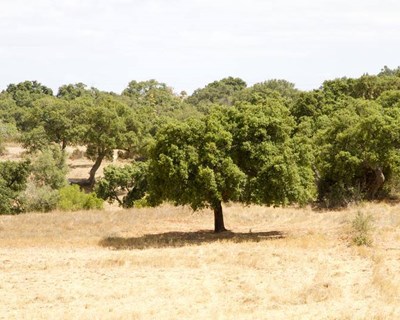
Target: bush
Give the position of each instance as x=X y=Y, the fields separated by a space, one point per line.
x=72 y=199
x=49 y=168
x=362 y=227
x=13 y=180
x=36 y=198
x=77 y=154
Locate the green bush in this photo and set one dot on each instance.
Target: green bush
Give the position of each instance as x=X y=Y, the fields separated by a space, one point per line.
x=13 y=180
x=72 y=199
x=362 y=228
x=49 y=167
x=38 y=198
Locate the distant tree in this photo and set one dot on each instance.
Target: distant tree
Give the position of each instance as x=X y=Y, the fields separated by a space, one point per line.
x=25 y=93
x=109 y=124
x=151 y=93
x=217 y=92
x=386 y=71
x=366 y=87
x=53 y=120
x=72 y=91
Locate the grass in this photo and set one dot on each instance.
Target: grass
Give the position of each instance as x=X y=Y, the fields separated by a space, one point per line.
x=362 y=228
x=276 y=263
x=166 y=263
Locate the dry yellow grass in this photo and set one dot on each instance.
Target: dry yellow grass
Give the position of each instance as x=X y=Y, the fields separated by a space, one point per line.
x=53 y=267
x=279 y=263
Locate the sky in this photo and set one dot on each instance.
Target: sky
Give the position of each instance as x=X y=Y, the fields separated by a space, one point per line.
x=187 y=44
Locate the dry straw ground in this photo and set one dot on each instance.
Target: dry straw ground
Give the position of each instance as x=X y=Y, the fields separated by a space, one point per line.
x=295 y=264
x=160 y=264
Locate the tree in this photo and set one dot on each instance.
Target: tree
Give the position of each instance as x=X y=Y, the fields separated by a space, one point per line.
x=53 y=120
x=72 y=91
x=151 y=93
x=358 y=153
x=242 y=153
x=124 y=184
x=25 y=93
x=191 y=165
x=217 y=92
x=109 y=124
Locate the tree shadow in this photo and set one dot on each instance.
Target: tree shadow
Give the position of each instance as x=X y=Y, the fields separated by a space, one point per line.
x=181 y=239
x=76 y=166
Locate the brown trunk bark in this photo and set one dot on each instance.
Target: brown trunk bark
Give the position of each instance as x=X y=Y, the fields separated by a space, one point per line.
x=96 y=166
x=64 y=144
x=377 y=183
x=218 y=218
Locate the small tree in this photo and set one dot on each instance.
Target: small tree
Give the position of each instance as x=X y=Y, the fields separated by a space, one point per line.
x=123 y=184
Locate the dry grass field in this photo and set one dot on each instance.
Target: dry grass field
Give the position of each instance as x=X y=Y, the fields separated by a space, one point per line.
x=163 y=263
x=279 y=264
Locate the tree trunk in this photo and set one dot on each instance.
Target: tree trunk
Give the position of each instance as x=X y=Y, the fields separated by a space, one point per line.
x=218 y=218
x=376 y=185
x=63 y=144
x=96 y=166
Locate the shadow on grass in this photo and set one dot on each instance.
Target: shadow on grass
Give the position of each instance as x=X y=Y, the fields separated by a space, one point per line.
x=181 y=239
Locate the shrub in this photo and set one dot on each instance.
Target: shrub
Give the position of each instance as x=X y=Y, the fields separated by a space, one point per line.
x=77 y=154
x=38 y=198
x=362 y=228
x=72 y=199
x=13 y=180
x=49 y=168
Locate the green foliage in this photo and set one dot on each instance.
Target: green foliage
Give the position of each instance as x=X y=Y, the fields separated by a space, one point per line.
x=259 y=93
x=109 y=125
x=358 y=152
x=35 y=140
x=191 y=164
x=362 y=228
x=386 y=71
x=151 y=93
x=217 y=92
x=73 y=91
x=126 y=185
x=8 y=131
x=13 y=179
x=278 y=171
x=366 y=87
x=72 y=199
x=38 y=198
x=49 y=168
x=25 y=93
x=234 y=154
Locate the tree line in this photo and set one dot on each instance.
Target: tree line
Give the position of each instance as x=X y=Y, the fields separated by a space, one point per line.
x=268 y=143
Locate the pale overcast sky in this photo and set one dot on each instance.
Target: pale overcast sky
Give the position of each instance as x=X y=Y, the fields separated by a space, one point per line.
x=187 y=44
